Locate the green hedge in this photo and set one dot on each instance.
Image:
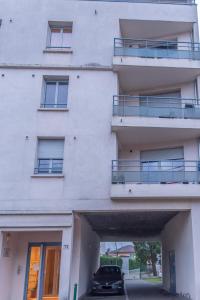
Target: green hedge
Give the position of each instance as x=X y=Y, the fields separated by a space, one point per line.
x=107 y=260
x=135 y=264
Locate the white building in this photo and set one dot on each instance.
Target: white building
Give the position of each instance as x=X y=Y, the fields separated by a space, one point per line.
x=63 y=121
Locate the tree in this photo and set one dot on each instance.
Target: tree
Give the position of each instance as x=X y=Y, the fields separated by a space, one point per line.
x=147 y=252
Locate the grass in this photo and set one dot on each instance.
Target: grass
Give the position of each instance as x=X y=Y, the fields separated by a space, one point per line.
x=154 y=280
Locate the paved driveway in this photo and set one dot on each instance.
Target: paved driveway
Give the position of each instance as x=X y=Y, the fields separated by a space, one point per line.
x=138 y=290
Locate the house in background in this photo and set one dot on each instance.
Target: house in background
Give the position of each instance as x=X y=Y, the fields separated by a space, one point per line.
x=125 y=252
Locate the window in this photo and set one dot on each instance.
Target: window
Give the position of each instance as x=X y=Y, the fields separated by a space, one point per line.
x=50 y=156
x=170 y=99
x=163 y=159
x=55 y=94
x=60 y=34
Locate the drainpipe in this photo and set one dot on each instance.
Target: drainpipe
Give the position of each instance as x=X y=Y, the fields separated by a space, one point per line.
x=75 y=291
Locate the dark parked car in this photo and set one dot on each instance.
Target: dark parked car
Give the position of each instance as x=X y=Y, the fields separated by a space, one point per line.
x=108 y=280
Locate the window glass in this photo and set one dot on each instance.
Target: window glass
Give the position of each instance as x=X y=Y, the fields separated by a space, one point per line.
x=66 y=39
x=175 y=165
x=43 y=165
x=164 y=165
x=50 y=94
x=150 y=166
x=56 y=37
x=57 y=165
x=62 y=93
x=60 y=37
x=50 y=149
x=50 y=156
x=33 y=275
x=51 y=273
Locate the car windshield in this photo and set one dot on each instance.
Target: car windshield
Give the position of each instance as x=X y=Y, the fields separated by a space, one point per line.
x=108 y=270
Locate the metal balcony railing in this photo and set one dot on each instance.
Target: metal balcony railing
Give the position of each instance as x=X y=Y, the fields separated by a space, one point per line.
x=155 y=106
x=155 y=172
x=53 y=105
x=177 y=2
x=156 y=49
x=49 y=166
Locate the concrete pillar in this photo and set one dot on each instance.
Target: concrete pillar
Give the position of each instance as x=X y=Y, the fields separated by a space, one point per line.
x=76 y=255
x=1 y=251
x=195 y=32
x=65 y=264
x=195 y=212
x=1 y=244
x=198 y=87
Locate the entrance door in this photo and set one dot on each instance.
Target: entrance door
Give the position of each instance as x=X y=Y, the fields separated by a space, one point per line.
x=43 y=269
x=172 y=265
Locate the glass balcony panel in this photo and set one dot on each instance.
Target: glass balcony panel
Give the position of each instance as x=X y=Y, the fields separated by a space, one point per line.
x=157 y=107
x=156 y=49
x=160 y=172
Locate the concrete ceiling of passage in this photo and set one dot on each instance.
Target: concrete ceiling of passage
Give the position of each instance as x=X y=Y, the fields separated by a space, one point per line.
x=129 y=224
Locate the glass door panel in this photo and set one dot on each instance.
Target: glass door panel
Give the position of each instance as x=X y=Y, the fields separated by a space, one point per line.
x=42 y=280
x=33 y=275
x=51 y=273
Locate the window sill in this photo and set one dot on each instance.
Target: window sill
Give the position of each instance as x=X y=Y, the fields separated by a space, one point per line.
x=48 y=176
x=53 y=109
x=58 y=50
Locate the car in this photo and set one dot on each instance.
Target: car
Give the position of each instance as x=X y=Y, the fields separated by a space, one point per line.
x=108 y=279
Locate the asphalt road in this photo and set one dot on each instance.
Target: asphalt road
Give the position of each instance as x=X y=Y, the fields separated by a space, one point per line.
x=138 y=290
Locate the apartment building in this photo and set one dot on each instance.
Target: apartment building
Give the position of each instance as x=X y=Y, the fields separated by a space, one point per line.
x=100 y=127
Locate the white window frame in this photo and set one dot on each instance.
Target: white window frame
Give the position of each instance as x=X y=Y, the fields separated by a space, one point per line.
x=49 y=159
x=57 y=82
x=61 y=28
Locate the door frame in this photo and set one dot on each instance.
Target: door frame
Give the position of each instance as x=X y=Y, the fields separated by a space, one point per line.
x=42 y=246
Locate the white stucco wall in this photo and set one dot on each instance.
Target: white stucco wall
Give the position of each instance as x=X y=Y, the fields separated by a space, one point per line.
x=96 y=44
x=177 y=236
x=90 y=144
x=196 y=241
x=12 y=281
x=85 y=258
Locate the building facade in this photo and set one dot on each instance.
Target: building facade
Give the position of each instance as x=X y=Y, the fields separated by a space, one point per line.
x=100 y=127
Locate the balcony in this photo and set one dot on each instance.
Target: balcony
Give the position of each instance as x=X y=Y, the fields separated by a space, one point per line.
x=157 y=179
x=49 y=166
x=157 y=63
x=154 y=119
x=156 y=107
x=154 y=172
x=156 y=49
